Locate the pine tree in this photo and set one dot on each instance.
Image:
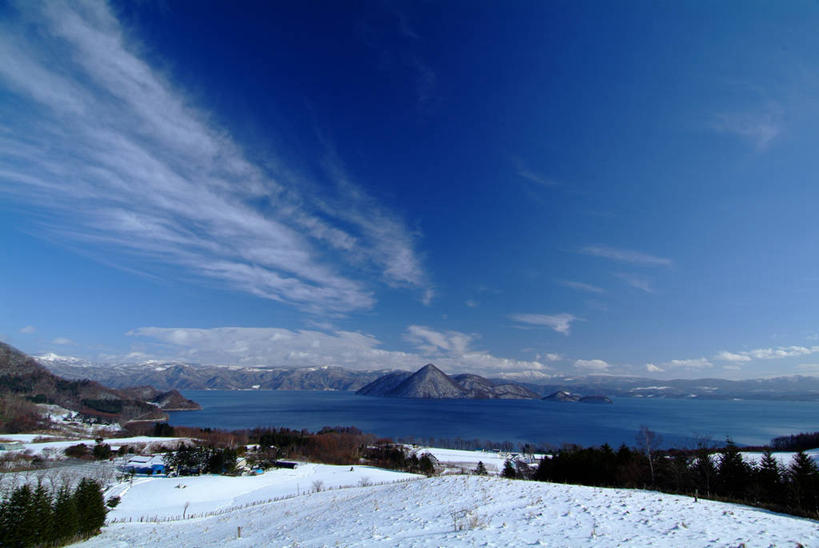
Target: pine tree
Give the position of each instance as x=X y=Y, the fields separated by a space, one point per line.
x=481 y=469
x=66 y=517
x=425 y=465
x=43 y=513
x=544 y=469
x=90 y=506
x=769 y=479
x=18 y=527
x=804 y=482
x=509 y=470
x=732 y=473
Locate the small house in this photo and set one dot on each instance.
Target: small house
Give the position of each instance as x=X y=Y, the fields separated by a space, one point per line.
x=149 y=465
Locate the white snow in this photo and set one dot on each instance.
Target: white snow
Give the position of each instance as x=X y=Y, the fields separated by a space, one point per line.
x=115 y=443
x=444 y=511
x=166 y=497
x=465 y=461
x=784 y=458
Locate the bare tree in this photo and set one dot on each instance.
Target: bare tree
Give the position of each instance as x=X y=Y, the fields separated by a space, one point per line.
x=648 y=441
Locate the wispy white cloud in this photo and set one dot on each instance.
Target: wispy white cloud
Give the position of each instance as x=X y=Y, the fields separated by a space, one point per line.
x=549 y=357
x=471 y=303
x=651 y=368
x=581 y=286
x=779 y=352
x=562 y=323
x=534 y=177
x=592 y=365
x=758 y=127
x=62 y=341
x=637 y=282
x=693 y=363
x=732 y=357
x=28 y=330
x=431 y=341
x=122 y=160
x=625 y=255
x=271 y=346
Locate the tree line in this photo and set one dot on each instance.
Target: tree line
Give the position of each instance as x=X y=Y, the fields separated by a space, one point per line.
x=40 y=517
x=796 y=442
x=793 y=488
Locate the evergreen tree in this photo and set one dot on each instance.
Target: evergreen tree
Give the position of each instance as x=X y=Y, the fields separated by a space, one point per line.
x=43 y=513
x=803 y=477
x=544 y=470
x=18 y=527
x=66 y=517
x=733 y=474
x=509 y=470
x=90 y=506
x=425 y=465
x=769 y=479
x=481 y=469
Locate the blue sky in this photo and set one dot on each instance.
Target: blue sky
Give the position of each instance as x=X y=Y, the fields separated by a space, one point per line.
x=517 y=189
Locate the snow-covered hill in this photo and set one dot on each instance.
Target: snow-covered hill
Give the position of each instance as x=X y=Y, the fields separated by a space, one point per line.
x=456 y=511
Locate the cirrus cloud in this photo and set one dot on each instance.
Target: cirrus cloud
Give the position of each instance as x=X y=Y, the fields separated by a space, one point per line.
x=562 y=323
x=121 y=160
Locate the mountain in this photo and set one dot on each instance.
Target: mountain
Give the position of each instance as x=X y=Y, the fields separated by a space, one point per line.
x=384 y=384
x=182 y=376
x=792 y=388
x=171 y=400
x=165 y=376
x=483 y=388
x=429 y=382
x=22 y=376
x=563 y=396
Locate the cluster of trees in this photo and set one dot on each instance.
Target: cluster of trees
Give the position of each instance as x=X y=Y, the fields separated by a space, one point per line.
x=18 y=414
x=797 y=442
x=39 y=517
x=389 y=455
x=466 y=445
x=100 y=451
x=725 y=476
x=189 y=461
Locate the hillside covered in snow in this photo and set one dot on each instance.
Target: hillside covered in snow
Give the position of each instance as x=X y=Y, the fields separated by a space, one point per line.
x=443 y=511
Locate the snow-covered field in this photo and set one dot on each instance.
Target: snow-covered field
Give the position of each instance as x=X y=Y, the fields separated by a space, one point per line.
x=465 y=461
x=447 y=511
x=38 y=448
x=166 y=497
x=783 y=458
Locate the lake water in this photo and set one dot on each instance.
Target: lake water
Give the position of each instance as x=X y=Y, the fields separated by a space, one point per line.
x=680 y=422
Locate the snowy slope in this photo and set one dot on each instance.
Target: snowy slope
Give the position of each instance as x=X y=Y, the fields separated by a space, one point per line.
x=468 y=510
x=166 y=497
x=115 y=443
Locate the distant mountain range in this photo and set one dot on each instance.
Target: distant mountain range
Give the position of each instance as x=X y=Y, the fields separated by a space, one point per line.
x=183 y=376
x=568 y=397
x=22 y=376
x=429 y=382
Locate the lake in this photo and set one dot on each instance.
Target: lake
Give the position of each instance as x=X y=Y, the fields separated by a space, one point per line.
x=681 y=423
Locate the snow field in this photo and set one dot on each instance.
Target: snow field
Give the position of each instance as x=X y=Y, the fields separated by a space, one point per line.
x=59 y=446
x=466 y=461
x=469 y=510
x=161 y=497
